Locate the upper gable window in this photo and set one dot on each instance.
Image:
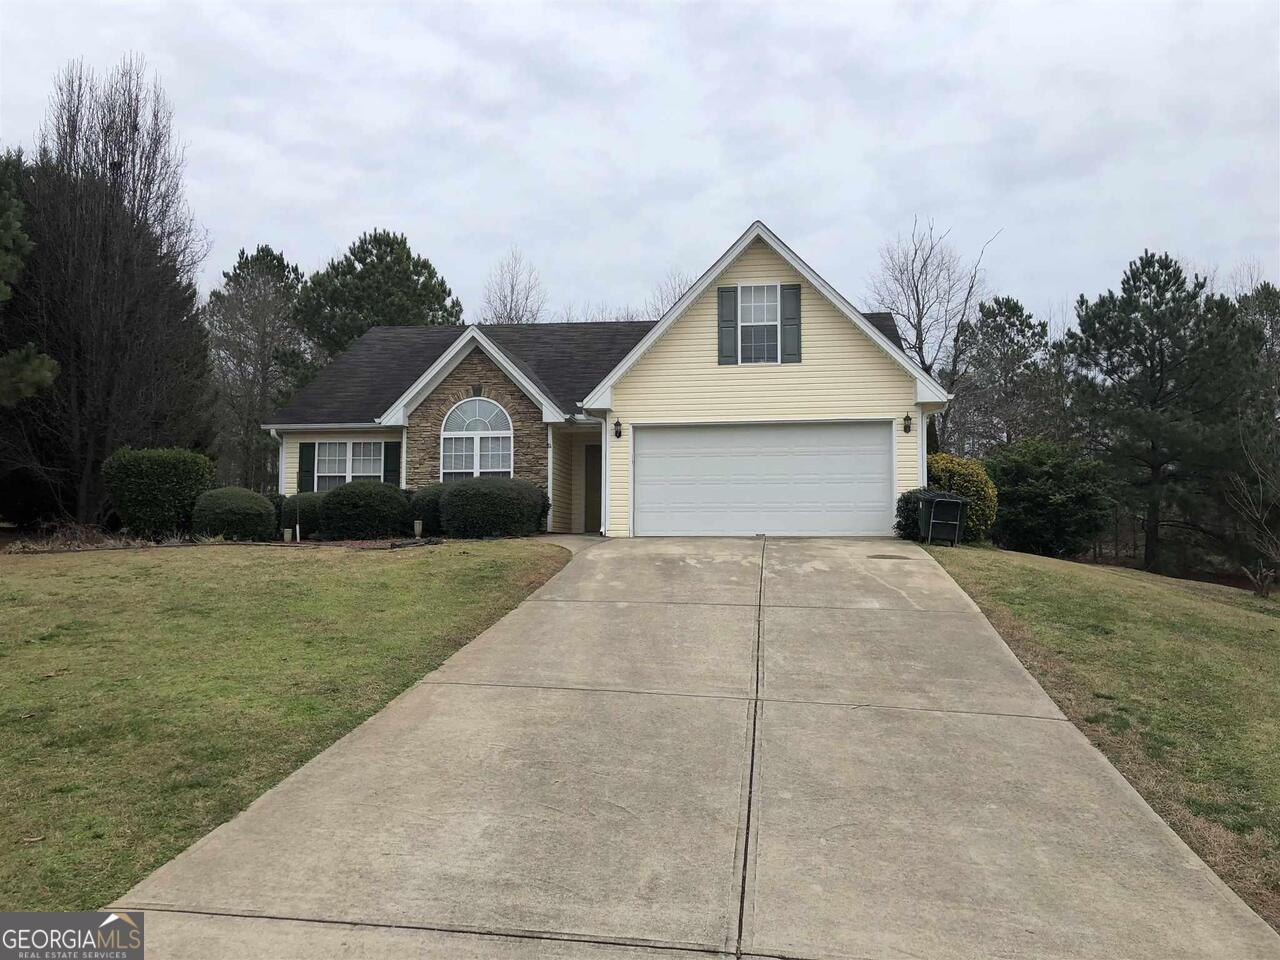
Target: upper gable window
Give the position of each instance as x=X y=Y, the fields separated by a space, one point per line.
x=758 y=324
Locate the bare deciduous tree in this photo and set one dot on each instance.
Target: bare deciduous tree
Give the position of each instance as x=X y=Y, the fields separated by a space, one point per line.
x=661 y=298
x=1253 y=493
x=666 y=292
x=514 y=292
x=597 y=313
x=108 y=291
x=933 y=294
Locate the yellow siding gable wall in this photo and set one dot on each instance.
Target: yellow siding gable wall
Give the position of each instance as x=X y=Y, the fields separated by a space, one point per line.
x=291 y=441
x=843 y=374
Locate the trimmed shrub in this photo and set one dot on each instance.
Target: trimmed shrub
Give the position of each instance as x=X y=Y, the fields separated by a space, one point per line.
x=1053 y=501
x=233 y=513
x=364 y=510
x=154 y=491
x=968 y=479
x=906 y=522
x=303 y=510
x=424 y=505
x=493 y=507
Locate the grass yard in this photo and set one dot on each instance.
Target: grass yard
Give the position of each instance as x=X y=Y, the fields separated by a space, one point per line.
x=147 y=696
x=1177 y=682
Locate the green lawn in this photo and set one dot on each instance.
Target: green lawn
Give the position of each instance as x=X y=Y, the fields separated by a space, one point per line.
x=148 y=695
x=1177 y=682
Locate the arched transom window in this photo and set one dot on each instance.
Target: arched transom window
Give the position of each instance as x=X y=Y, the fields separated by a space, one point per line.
x=475 y=441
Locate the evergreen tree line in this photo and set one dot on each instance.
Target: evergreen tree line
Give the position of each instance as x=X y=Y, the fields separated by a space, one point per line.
x=1172 y=386
x=103 y=340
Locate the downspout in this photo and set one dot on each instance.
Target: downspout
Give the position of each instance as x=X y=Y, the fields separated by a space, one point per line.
x=280 y=487
x=604 y=477
x=279 y=460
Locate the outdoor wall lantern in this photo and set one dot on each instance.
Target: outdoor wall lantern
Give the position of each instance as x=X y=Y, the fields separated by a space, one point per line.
x=617 y=429
x=906 y=423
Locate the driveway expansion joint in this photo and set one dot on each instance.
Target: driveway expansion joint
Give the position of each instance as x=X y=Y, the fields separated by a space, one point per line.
x=751 y=769
x=851 y=705
x=569 y=688
x=660 y=603
x=509 y=934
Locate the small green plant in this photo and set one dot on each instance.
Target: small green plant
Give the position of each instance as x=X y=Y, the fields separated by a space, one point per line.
x=493 y=507
x=234 y=513
x=154 y=491
x=966 y=478
x=364 y=510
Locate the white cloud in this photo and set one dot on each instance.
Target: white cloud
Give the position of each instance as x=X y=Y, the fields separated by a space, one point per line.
x=613 y=143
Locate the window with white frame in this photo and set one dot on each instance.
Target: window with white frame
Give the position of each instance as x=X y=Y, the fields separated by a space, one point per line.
x=366 y=460
x=338 y=462
x=331 y=465
x=758 y=324
x=475 y=441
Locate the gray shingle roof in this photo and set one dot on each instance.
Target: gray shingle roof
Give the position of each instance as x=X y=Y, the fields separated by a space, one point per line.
x=564 y=360
x=368 y=376
x=885 y=324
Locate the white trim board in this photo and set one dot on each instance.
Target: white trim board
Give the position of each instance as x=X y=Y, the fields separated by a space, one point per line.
x=298 y=427
x=928 y=390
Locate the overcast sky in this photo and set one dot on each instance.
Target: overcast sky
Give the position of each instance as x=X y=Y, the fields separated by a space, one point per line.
x=613 y=144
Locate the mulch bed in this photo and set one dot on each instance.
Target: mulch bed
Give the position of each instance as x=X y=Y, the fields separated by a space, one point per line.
x=23 y=548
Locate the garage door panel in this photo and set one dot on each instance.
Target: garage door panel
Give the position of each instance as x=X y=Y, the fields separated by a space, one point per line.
x=818 y=479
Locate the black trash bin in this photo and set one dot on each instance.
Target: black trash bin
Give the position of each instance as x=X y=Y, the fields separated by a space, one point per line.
x=941 y=516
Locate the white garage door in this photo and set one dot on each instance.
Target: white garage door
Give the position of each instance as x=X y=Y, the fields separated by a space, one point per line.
x=817 y=479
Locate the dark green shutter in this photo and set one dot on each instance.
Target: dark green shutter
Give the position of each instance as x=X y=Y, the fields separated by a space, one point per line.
x=791 y=323
x=306 y=467
x=391 y=462
x=727 y=324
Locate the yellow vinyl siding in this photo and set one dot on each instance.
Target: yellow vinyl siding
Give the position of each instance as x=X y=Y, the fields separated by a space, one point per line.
x=561 y=518
x=291 y=441
x=843 y=374
x=568 y=477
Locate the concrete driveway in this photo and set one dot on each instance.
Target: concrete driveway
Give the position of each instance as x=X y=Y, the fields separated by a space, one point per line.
x=781 y=748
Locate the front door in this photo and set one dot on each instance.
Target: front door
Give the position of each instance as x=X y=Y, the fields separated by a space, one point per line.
x=591 y=500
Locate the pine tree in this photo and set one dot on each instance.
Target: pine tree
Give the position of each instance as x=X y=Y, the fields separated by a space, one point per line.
x=24 y=370
x=252 y=336
x=1009 y=348
x=378 y=281
x=1161 y=367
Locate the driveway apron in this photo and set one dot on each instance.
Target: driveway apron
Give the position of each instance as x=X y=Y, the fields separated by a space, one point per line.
x=715 y=747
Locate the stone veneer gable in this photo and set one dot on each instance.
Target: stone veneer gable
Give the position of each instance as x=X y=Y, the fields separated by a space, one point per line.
x=476 y=375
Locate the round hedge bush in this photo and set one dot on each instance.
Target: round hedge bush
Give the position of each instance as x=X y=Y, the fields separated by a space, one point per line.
x=233 y=513
x=969 y=479
x=424 y=505
x=303 y=510
x=364 y=510
x=492 y=507
x=154 y=491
